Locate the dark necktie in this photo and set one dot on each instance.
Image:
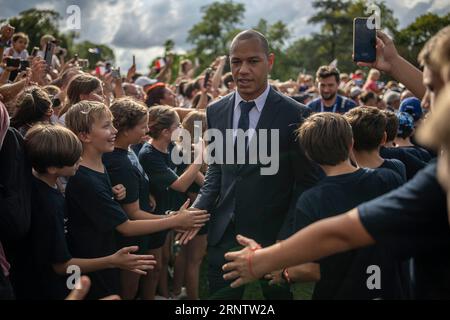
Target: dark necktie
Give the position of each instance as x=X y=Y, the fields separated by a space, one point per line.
x=244 y=121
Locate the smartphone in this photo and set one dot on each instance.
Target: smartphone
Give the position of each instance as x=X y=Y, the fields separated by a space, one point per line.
x=35 y=51
x=115 y=73
x=364 y=41
x=48 y=55
x=134 y=59
x=12 y=62
x=24 y=64
x=207 y=76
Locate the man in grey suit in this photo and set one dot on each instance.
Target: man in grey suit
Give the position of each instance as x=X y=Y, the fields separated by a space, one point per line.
x=239 y=197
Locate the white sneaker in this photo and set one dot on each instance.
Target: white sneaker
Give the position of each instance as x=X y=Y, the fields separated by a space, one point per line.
x=160 y=298
x=182 y=295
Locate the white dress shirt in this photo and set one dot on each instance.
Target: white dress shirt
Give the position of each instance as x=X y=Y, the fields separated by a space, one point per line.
x=254 y=114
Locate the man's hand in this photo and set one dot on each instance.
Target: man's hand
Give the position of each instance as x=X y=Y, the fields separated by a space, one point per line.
x=386 y=54
x=191 y=218
x=119 y=191
x=275 y=277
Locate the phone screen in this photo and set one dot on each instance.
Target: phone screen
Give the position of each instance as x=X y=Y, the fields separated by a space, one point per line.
x=48 y=55
x=364 y=41
x=207 y=76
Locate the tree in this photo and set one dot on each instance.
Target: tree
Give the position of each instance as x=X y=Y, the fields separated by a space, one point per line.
x=335 y=39
x=105 y=53
x=332 y=15
x=36 y=23
x=211 y=36
x=411 y=39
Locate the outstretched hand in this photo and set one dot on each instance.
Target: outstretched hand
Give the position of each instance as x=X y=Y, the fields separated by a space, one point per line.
x=240 y=267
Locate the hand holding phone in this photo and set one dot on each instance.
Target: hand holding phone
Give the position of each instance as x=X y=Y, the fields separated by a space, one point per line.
x=48 y=55
x=207 y=76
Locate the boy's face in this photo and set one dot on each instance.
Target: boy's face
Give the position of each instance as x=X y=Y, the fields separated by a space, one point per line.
x=102 y=135
x=138 y=132
x=20 y=45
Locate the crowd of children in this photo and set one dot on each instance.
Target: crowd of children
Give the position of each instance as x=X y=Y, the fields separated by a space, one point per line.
x=87 y=179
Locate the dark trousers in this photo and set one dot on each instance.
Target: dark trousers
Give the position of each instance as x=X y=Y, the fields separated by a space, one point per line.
x=6 y=290
x=219 y=289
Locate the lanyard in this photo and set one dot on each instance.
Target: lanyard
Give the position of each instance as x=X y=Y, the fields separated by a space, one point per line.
x=322 y=108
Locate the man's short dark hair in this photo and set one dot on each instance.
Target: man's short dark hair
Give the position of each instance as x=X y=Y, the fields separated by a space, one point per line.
x=366 y=96
x=369 y=126
x=391 y=125
x=326 y=138
x=249 y=35
x=326 y=72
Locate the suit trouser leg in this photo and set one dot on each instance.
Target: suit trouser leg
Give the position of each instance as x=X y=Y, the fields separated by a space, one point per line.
x=219 y=289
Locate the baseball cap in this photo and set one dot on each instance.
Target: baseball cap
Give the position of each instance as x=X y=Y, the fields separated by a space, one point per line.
x=413 y=107
x=144 y=81
x=355 y=91
x=405 y=123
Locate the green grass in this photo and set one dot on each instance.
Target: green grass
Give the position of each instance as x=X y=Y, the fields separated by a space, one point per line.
x=253 y=290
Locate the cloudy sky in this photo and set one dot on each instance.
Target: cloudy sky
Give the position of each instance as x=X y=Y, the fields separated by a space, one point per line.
x=140 y=27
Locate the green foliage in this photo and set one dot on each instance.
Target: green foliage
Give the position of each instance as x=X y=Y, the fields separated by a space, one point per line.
x=37 y=23
x=82 y=48
x=411 y=39
x=219 y=24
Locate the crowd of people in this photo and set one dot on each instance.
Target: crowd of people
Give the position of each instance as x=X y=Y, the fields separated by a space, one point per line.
x=88 y=181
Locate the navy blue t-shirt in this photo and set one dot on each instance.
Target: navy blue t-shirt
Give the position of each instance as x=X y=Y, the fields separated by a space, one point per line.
x=93 y=217
x=342 y=105
x=412 y=221
x=395 y=165
x=344 y=275
x=163 y=172
x=418 y=152
x=412 y=163
x=45 y=245
x=124 y=168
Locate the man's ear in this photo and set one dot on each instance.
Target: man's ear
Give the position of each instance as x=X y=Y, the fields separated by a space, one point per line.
x=271 y=60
